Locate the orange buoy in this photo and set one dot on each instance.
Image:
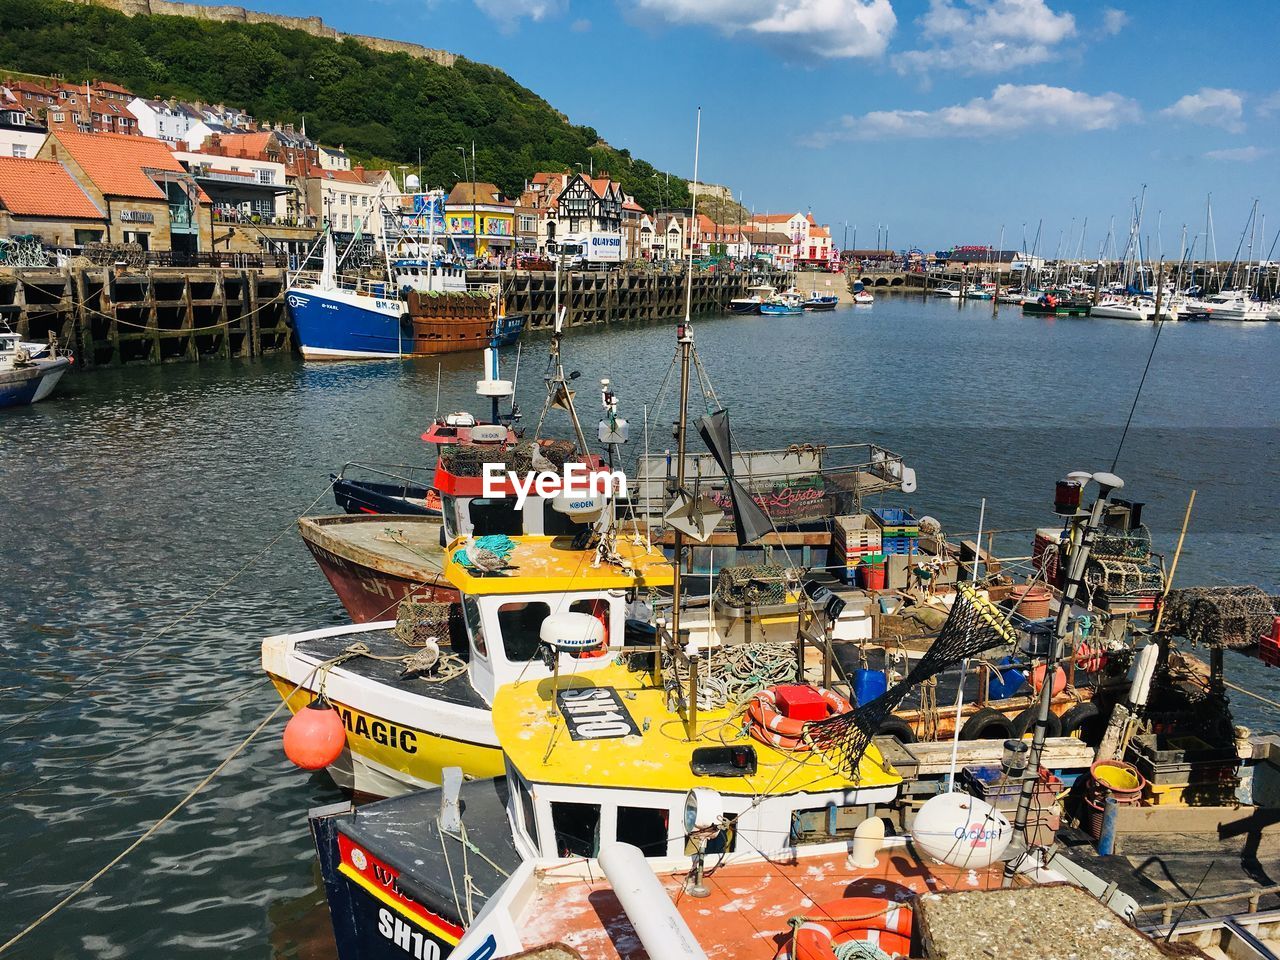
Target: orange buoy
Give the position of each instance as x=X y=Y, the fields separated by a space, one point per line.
x=315 y=737
x=1089 y=659
x=1059 y=679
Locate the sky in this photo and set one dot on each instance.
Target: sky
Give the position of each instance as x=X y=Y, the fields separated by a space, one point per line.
x=934 y=122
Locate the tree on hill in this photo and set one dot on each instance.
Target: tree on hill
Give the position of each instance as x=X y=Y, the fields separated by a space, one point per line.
x=384 y=108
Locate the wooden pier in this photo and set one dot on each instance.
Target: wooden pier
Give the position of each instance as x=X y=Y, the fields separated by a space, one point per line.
x=109 y=316
x=120 y=315
x=619 y=296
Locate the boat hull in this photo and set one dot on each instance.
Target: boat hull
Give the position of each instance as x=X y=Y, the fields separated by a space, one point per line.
x=345 y=325
x=772 y=310
x=743 y=308
x=21 y=386
x=356 y=496
x=370 y=582
x=1060 y=310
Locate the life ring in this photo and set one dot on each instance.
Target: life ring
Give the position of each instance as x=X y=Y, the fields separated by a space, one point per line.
x=788 y=734
x=885 y=924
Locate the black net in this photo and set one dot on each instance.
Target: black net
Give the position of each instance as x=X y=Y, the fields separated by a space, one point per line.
x=973 y=626
x=1221 y=616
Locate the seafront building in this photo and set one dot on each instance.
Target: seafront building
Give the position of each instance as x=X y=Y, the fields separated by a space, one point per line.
x=209 y=178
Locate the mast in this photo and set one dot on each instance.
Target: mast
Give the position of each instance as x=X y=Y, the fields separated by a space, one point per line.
x=684 y=336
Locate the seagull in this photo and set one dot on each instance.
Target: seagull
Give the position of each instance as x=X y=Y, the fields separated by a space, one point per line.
x=539 y=460
x=485 y=561
x=421 y=661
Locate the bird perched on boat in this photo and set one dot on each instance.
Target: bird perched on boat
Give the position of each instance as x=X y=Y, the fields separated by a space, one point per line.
x=421 y=661
x=480 y=558
x=540 y=461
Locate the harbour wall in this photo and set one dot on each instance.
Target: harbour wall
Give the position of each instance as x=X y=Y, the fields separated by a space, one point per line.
x=115 y=315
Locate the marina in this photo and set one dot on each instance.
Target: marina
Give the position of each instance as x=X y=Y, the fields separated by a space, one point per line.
x=595 y=563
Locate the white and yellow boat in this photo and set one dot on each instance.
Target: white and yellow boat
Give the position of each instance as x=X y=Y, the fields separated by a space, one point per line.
x=402 y=731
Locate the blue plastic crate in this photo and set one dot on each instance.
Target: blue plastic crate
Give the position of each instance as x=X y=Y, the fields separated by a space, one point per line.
x=894 y=517
x=899 y=545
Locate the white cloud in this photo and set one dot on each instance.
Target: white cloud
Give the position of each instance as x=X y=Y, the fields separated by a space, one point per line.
x=1113 y=20
x=1211 y=106
x=1269 y=104
x=507 y=13
x=987 y=36
x=1239 y=154
x=1010 y=109
x=824 y=28
x=581 y=25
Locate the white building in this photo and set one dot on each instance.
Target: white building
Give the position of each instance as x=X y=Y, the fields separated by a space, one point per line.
x=241 y=188
x=165 y=120
x=345 y=199
x=332 y=158
x=19 y=135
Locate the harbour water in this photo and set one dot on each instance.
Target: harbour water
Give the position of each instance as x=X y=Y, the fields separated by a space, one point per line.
x=138 y=492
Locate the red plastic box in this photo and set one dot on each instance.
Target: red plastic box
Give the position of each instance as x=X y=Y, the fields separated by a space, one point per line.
x=799 y=702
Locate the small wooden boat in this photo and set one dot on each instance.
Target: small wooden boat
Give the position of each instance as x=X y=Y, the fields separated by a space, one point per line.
x=816 y=302
x=375 y=561
x=25 y=376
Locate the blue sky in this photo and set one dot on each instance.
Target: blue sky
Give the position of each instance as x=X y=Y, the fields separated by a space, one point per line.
x=942 y=119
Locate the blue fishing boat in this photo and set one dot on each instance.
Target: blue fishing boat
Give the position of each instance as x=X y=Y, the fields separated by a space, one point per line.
x=423 y=307
x=27 y=375
x=756 y=295
x=783 y=305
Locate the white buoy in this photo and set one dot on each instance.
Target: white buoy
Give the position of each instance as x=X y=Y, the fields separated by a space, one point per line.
x=961 y=831
x=661 y=929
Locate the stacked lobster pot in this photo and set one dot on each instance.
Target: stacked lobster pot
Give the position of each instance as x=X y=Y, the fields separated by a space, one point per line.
x=1124 y=576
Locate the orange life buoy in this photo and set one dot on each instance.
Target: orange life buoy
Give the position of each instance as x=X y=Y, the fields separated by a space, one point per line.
x=769 y=725
x=885 y=924
x=600 y=610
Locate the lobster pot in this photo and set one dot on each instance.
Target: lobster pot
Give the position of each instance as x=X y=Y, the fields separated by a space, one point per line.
x=853 y=539
x=899 y=530
x=1046 y=554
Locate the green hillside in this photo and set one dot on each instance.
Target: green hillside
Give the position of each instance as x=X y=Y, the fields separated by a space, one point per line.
x=383 y=107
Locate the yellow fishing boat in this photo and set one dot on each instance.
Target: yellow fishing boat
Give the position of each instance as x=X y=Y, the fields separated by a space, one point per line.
x=405 y=721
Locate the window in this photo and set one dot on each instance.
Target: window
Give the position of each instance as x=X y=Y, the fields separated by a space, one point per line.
x=644 y=827
x=266 y=176
x=87 y=236
x=526 y=810
x=471 y=614
x=824 y=824
x=520 y=623
x=19 y=150
x=577 y=829
x=527 y=224
x=139 y=237
x=345 y=221
x=495 y=516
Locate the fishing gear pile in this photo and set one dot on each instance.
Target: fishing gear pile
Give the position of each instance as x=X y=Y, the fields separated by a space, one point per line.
x=974 y=626
x=1221 y=616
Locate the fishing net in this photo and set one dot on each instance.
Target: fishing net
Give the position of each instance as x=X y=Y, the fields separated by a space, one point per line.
x=1221 y=616
x=973 y=626
x=749 y=585
x=418 y=621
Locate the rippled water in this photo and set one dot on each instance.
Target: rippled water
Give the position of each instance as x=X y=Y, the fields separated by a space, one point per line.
x=135 y=493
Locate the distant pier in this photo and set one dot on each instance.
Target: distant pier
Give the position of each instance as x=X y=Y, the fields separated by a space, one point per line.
x=109 y=316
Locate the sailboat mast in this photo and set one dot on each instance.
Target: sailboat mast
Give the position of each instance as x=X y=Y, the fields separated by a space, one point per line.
x=684 y=334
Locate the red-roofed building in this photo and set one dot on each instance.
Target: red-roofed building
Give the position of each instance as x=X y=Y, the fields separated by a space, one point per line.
x=148 y=197
x=811 y=242
x=40 y=197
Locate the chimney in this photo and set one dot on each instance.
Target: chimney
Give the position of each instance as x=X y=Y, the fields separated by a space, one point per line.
x=288 y=128
x=359 y=170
